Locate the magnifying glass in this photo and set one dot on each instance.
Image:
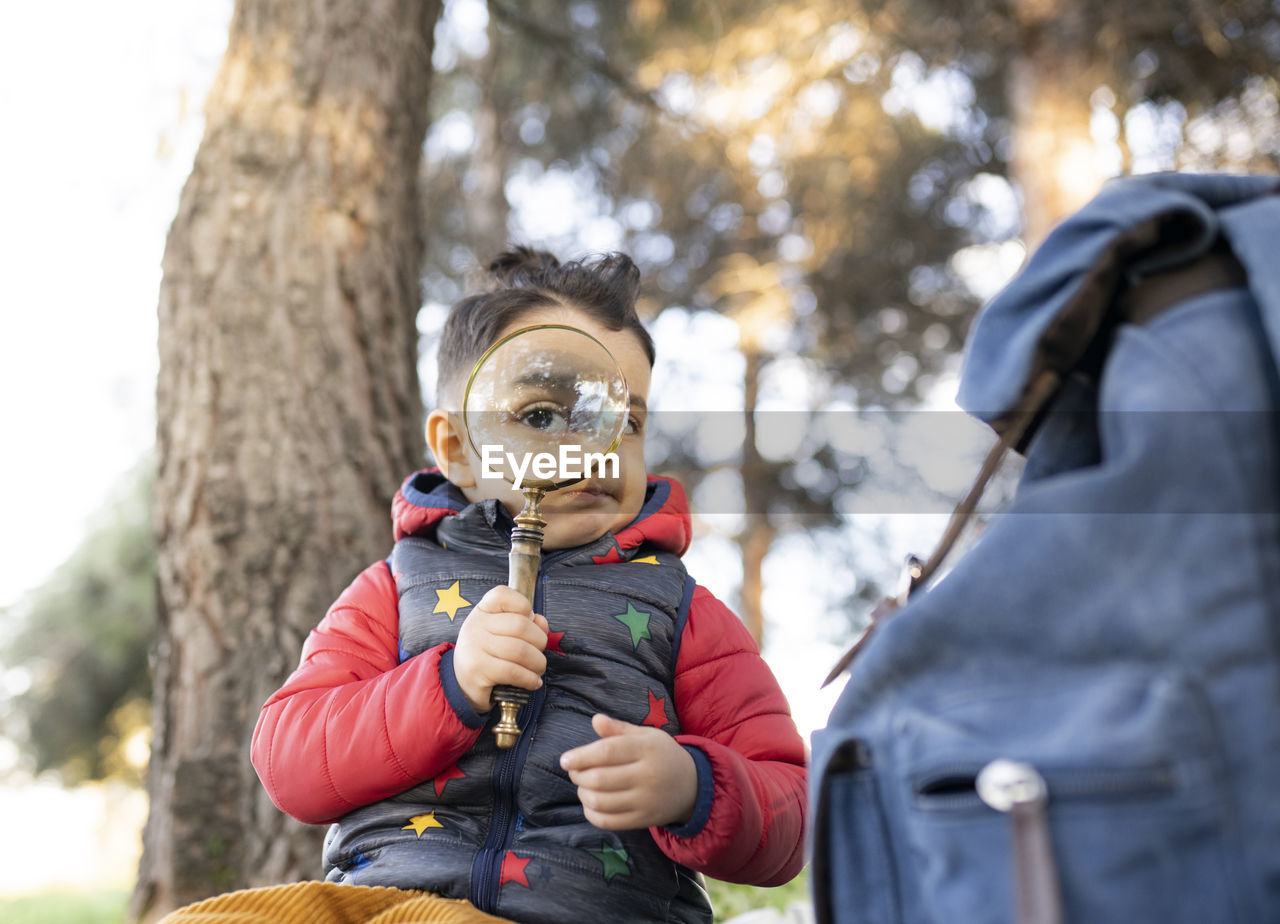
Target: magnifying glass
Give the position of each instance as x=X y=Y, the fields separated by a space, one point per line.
x=540 y=406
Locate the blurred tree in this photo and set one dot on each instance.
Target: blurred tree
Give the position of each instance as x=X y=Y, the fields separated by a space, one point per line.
x=1169 y=85
x=81 y=640
x=822 y=172
x=288 y=403
x=741 y=152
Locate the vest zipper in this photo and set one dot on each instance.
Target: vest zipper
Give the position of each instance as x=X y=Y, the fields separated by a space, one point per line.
x=486 y=869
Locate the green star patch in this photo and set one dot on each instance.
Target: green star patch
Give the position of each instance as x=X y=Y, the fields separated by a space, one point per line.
x=637 y=621
x=616 y=862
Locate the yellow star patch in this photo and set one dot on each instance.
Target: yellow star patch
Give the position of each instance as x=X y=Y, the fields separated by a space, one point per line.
x=420 y=823
x=647 y=560
x=450 y=601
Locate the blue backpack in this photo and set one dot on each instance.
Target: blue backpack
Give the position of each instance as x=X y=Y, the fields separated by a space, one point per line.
x=1080 y=721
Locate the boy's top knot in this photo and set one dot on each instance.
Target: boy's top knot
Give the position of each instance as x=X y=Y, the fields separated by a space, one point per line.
x=610 y=281
x=522 y=280
x=523 y=267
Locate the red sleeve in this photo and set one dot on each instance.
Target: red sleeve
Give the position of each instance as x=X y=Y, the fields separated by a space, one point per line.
x=731 y=709
x=352 y=724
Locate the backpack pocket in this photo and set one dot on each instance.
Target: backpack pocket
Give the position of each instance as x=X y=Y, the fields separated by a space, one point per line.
x=852 y=871
x=1137 y=818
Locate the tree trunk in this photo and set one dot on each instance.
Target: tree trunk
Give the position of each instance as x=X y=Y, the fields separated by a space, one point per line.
x=288 y=404
x=1050 y=81
x=484 y=183
x=757 y=534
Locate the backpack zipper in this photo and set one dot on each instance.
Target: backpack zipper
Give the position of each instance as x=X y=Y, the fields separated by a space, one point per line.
x=954 y=786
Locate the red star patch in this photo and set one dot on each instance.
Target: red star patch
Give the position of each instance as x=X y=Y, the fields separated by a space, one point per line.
x=553 y=642
x=657 y=716
x=614 y=557
x=453 y=773
x=513 y=870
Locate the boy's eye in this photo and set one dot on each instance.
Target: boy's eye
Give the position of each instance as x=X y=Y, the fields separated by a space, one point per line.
x=545 y=417
x=634 y=425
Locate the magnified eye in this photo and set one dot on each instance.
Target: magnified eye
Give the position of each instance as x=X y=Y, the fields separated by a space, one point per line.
x=544 y=416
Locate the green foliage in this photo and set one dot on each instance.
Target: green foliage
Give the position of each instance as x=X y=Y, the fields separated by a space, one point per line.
x=65 y=908
x=812 y=170
x=81 y=640
x=811 y=167
x=730 y=899
x=1196 y=54
x=742 y=153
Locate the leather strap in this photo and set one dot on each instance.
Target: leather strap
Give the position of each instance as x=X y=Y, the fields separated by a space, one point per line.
x=1148 y=297
x=1037 y=895
x=918 y=573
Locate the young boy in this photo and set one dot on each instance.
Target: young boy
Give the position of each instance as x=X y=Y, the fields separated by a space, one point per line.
x=656 y=744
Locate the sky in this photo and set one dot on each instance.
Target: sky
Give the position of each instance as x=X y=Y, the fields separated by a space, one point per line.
x=100 y=104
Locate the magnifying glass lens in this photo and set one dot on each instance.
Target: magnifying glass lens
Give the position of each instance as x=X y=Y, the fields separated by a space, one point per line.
x=540 y=391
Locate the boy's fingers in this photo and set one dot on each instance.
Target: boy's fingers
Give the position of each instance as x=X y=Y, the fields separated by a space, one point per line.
x=584 y=757
x=503 y=598
x=625 y=821
x=529 y=631
x=606 y=803
x=540 y=631
x=506 y=649
x=609 y=727
x=513 y=625
x=512 y=674
x=602 y=779
x=607 y=752
x=614 y=747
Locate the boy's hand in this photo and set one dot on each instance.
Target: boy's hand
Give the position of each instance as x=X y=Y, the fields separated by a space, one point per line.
x=635 y=776
x=501 y=641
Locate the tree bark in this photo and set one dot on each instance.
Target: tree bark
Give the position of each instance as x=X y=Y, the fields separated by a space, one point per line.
x=288 y=404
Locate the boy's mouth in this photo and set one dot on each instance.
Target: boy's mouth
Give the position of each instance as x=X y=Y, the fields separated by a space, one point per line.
x=584 y=491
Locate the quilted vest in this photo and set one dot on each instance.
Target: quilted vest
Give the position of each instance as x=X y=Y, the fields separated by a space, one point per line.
x=504 y=829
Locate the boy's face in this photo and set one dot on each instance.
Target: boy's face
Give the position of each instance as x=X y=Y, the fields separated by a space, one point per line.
x=584 y=511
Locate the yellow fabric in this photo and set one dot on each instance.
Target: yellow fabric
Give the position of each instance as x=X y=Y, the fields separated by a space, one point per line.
x=329 y=903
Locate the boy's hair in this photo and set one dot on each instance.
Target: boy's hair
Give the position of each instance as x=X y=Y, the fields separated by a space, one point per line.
x=522 y=280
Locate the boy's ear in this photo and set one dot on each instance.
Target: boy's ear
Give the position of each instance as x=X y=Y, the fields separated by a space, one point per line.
x=447 y=443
